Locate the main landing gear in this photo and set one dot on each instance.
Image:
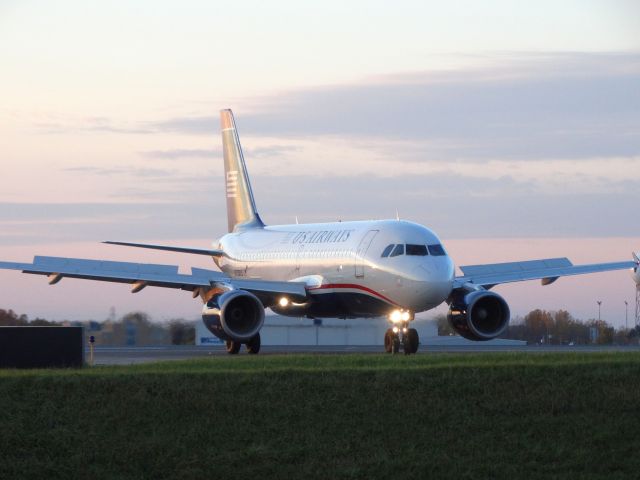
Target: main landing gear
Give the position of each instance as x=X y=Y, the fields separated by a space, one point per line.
x=401 y=335
x=253 y=345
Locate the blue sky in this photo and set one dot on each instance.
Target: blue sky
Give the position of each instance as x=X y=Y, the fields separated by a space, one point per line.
x=492 y=122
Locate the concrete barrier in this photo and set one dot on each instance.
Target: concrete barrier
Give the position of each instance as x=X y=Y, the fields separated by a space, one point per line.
x=41 y=347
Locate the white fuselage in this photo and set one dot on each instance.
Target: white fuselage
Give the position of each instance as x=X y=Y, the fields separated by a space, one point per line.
x=343 y=266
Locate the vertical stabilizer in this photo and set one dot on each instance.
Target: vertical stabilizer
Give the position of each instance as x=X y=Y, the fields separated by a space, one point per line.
x=241 y=207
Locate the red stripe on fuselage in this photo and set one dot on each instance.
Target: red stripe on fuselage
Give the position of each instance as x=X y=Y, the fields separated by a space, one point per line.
x=354 y=286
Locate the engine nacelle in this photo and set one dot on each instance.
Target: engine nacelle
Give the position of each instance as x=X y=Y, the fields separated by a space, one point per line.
x=478 y=315
x=235 y=315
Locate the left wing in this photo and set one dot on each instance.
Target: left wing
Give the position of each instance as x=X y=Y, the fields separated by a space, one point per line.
x=548 y=270
x=141 y=275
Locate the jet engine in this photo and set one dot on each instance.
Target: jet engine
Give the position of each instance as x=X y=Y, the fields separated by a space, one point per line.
x=478 y=315
x=235 y=315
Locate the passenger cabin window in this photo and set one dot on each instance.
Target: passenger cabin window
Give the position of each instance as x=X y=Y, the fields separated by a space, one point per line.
x=436 y=250
x=398 y=250
x=418 y=250
x=387 y=251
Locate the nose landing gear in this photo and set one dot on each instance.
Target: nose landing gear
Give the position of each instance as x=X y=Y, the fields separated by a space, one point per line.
x=391 y=341
x=401 y=334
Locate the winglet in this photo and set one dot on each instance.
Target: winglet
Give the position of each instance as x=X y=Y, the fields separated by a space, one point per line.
x=241 y=207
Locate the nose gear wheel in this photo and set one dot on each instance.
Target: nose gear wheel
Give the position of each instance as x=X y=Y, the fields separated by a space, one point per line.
x=407 y=337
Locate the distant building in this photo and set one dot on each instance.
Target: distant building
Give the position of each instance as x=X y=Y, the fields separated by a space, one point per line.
x=278 y=330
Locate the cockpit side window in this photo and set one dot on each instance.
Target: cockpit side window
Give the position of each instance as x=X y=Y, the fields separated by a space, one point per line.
x=398 y=250
x=387 y=250
x=418 y=250
x=436 y=250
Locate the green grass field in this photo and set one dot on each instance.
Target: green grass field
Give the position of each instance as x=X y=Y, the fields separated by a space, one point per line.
x=323 y=416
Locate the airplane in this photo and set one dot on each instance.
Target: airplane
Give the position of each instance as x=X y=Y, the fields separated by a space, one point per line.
x=355 y=269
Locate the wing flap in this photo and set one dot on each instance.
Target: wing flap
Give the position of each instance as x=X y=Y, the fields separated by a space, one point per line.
x=529 y=265
x=79 y=265
x=110 y=271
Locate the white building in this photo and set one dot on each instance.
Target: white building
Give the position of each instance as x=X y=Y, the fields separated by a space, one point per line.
x=278 y=330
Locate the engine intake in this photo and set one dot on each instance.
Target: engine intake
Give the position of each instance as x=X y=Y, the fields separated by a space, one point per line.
x=235 y=315
x=478 y=315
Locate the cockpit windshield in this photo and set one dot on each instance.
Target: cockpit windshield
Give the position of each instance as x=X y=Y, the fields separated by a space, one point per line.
x=418 y=250
x=387 y=250
x=437 y=250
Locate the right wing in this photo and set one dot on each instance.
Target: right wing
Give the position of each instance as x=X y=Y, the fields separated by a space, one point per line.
x=548 y=270
x=141 y=275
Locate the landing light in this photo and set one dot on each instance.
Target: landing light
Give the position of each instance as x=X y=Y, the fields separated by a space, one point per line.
x=284 y=302
x=398 y=316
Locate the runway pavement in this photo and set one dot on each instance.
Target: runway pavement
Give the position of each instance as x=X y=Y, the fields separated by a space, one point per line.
x=134 y=355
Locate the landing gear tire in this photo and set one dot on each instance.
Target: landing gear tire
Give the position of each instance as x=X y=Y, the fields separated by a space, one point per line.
x=388 y=340
x=233 y=347
x=391 y=341
x=411 y=341
x=253 y=345
x=396 y=343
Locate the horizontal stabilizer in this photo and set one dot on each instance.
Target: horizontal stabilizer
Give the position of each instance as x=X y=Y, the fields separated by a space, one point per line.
x=169 y=248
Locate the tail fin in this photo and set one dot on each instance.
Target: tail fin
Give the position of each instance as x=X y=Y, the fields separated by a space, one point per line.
x=241 y=208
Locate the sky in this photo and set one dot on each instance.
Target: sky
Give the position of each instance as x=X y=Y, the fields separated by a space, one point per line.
x=510 y=128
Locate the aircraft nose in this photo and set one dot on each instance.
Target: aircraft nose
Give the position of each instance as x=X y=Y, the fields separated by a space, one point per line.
x=436 y=279
x=435 y=270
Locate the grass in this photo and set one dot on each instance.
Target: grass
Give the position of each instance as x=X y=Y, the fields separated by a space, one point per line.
x=512 y=415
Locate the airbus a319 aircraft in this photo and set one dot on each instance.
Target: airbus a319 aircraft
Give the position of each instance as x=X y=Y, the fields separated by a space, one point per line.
x=358 y=269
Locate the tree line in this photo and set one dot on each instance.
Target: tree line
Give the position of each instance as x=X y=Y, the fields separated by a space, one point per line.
x=134 y=328
x=536 y=327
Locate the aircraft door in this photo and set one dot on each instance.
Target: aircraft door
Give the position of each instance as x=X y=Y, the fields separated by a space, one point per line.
x=361 y=252
x=299 y=256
